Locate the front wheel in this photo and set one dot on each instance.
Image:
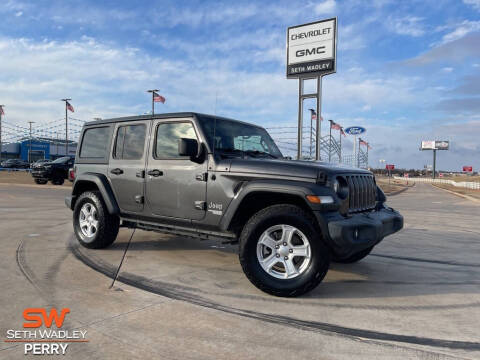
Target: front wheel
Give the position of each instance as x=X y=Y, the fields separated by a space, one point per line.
x=281 y=251
x=94 y=227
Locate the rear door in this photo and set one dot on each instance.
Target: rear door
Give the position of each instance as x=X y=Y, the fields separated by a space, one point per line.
x=126 y=169
x=175 y=186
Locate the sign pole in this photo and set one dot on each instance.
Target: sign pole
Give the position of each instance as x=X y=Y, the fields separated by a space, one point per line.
x=318 y=128
x=434 y=162
x=330 y=143
x=300 y=119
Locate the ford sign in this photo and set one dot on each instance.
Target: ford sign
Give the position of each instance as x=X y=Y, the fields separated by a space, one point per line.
x=355 y=130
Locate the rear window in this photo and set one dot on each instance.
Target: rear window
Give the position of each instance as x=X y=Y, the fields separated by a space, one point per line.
x=94 y=143
x=130 y=142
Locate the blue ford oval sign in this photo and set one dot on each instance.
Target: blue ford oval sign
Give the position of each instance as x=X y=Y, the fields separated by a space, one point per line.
x=355 y=130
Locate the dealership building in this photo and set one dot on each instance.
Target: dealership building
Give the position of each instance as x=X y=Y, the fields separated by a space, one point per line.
x=38 y=148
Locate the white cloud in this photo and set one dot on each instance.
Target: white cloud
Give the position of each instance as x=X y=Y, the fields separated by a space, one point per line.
x=408 y=25
x=325 y=7
x=447 y=69
x=19 y=13
x=461 y=30
x=474 y=3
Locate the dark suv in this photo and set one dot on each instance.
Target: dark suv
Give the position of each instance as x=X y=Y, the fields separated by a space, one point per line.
x=55 y=171
x=216 y=178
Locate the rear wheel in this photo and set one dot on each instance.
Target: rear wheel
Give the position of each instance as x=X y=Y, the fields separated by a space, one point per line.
x=281 y=251
x=94 y=227
x=355 y=257
x=58 y=181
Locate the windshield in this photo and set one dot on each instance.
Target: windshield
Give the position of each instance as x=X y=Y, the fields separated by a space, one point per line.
x=61 y=160
x=234 y=138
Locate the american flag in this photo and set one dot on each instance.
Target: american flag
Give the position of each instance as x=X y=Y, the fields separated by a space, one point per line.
x=335 y=126
x=158 y=98
x=1 y=111
x=313 y=114
x=363 y=142
x=70 y=107
x=342 y=132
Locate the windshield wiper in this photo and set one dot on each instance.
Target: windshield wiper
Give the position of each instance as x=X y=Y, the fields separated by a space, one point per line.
x=256 y=152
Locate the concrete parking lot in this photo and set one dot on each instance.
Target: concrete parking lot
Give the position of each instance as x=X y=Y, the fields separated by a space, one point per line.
x=416 y=296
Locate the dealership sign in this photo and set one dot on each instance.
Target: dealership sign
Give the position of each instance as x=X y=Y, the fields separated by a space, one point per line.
x=355 y=130
x=468 y=169
x=390 y=167
x=435 y=145
x=311 y=48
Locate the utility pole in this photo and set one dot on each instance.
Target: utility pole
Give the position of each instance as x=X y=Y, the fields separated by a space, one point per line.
x=66 y=125
x=153 y=91
x=1 y=113
x=30 y=145
x=434 y=162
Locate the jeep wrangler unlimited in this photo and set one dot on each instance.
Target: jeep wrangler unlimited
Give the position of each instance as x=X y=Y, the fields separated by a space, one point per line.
x=215 y=178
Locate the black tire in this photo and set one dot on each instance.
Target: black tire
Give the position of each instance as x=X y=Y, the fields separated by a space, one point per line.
x=58 y=181
x=40 y=181
x=108 y=225
x=355 y=257
x=289 y=215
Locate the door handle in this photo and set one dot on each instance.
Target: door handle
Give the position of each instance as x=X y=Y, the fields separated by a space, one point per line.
x=155 y=173
x=117 y=171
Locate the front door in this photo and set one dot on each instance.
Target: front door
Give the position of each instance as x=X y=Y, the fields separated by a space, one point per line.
x=175 y=186
x=126 y=169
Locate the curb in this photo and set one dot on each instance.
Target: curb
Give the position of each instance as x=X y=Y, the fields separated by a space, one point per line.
x=400 y=191
x=37 y=186
x=458 y=194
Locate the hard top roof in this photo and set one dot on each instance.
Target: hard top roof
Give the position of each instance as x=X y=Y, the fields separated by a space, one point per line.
x=162 y=116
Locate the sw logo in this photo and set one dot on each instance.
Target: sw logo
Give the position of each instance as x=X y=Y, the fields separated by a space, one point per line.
x=39 y=316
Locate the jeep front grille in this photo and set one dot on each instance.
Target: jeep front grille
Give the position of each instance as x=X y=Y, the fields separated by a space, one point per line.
x=362 y=192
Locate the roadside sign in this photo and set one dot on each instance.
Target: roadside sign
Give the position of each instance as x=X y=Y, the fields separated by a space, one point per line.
x=428 y=145
x=390 y=167
x=405 y=175
x=442 y=145
x=312 y=48
x=468 y=169
x=435 y=145
x=440 y=175
x=355 y=130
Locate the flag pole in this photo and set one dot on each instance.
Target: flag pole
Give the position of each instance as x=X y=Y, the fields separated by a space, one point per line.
x=330 y=143
x=66 y=125
x=1 y=113
x=340 y=150
x=153 y=91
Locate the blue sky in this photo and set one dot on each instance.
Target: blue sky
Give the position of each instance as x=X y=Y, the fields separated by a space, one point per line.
x=407 y=70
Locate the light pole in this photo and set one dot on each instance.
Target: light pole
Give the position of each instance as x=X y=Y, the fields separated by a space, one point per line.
x=66 y=125
x=30 y=145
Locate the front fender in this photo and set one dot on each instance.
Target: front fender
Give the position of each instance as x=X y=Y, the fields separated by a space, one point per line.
x=101 y=182
x=286 y=187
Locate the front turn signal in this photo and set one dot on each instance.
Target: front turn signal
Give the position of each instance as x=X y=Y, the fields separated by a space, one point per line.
x=315 y=199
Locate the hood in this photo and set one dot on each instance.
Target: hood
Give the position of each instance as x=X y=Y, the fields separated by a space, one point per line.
x=294 y=168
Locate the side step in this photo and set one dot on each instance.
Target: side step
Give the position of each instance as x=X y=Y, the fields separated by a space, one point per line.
x=224 y=237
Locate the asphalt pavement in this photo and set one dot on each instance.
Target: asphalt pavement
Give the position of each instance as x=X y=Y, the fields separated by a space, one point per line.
x=415 y=297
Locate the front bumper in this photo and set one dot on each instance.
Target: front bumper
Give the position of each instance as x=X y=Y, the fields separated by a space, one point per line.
x=40 y=174
x=358 y=232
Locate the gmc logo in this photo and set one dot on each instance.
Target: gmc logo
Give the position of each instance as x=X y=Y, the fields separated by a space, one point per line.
x=317 y=50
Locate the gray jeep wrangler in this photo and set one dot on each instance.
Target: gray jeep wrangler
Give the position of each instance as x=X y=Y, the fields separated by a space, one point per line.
x=216 y=178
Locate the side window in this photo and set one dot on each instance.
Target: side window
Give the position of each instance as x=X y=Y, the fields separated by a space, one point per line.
x=167 y=138
x=94 y=143
x=130 y=142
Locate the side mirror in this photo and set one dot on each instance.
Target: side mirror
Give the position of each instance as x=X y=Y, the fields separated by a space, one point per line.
x=188 y=147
